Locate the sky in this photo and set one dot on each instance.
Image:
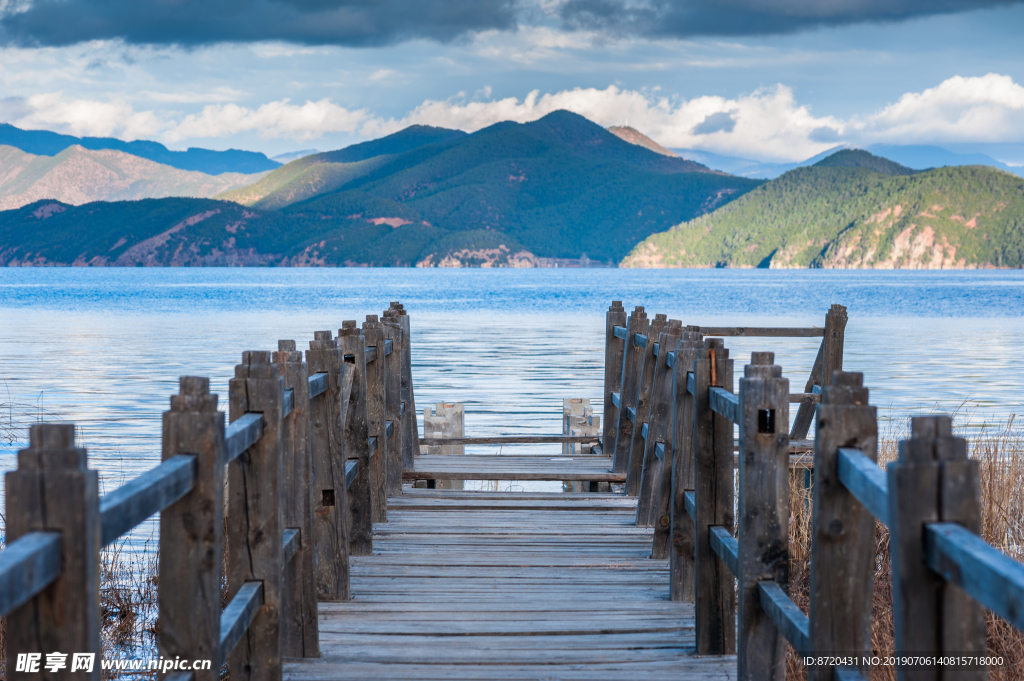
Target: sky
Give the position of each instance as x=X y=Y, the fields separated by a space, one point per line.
x=771 y=80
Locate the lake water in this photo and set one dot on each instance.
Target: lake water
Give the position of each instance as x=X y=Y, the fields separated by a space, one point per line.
x=103 y=348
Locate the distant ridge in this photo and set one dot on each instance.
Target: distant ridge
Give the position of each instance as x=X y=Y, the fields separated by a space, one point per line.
x=46 y=143
x=634 y=136
x=858 y=158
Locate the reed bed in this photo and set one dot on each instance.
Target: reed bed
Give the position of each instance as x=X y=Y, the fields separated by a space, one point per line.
x=1000 y=453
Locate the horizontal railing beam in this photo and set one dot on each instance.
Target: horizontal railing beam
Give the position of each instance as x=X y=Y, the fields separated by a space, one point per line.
x=657 y=349
x=149 y=493
x=28 y=565
x=805 y=397
x=690 y=503
x=725 y=403
x=289 y=402
x=239 y=614
x=725 y=545
x=789 y=619
x=242 y=434
x=866 y=481
x=643 y=432
x=659 y=451
x=616 y=400
x=984 y=572
x=373 y=445
x=620 y=332
x=389 y=345
x=631 y=414
x=290 y=543
x=351 y=472
x=511 y=440
x=670 y=360
x=690 y=385
x=776 y=332
x=318 y=384
x=389 y=428
x=371 y=354
x=640 y=339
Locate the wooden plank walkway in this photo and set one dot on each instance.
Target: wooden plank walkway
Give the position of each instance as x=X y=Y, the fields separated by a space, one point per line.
x=481 y=585
x=514 y=467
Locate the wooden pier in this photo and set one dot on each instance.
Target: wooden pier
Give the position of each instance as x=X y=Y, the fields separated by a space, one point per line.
x=340 y=566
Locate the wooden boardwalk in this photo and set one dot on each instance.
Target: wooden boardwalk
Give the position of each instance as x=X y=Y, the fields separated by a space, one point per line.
x=482 y=585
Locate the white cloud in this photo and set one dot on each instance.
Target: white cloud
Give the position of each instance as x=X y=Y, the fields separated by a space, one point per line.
x=275 y=119
x=767 y=124
x=988 y=108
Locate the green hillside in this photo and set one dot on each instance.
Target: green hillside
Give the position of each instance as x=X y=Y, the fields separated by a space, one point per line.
x=504 y=196
x=328 y=171
x=835 y=215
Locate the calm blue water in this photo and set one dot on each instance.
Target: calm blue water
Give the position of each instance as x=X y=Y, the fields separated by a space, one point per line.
x=104 y=348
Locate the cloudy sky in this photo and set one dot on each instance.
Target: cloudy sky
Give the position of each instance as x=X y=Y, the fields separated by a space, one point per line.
x=775 y=80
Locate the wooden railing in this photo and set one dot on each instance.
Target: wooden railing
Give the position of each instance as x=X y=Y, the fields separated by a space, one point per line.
x=737 y=572
x=311 y=452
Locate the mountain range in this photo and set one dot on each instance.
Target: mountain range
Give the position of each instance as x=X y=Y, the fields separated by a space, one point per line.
x=46 y=143
x=77 y=175
x=558 y=187
x=856 y=210
x=917 y=157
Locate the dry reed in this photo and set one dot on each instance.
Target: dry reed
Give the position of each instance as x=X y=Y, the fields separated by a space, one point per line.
x=1000 y=453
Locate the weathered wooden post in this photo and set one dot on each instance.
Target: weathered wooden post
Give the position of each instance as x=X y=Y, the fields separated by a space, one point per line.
x=299 y=629
x=376 y=380
x=614 y=348
x=255 y=532
x=843 y=536
x=933 y=481
x=829 y=359
x=643 y=405
x=674 y=538
x=763 y=514
x=192 y=531
x=326 y=439
x=53 y=490
x=659 y=425
x=393 y=404
x=715 y=610
x=411 y=435
x=352 y=346
x=632 y=359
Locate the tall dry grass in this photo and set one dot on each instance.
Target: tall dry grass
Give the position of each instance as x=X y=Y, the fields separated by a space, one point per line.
x=1000 y=453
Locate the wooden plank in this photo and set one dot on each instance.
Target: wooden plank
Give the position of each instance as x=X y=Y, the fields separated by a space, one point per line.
x=299 y=632
x=410 y=434
x=690 y=502
x=725 y=547
x=677 y=544
x=632 y=364
x=657 y=430
x=149 y=493
x=772 y=332
x=371 y=353
x=509 y=440
x=642 y=412
x=724 y=403
x=763 y=514
x=352 y=343
x=290 y=546
x=631 y=414
x=989 y=576
x=811 y=398
x=843 y=531
x=239 y=615
x=393 y=428
x=614 y=349
x=640 y=339
x=657 y=349
x=318 y=384
x=254 y=524
x=644 y=430
x=713 y=477
x=376 y=413
x=192 y=531
x=27 y=566
x=788 y=618
x=389 y=346
x=670 y=359
x=351 y=471
x=326 y=444
x=242 y=434
x=53 y=490
x=690 y=383
x=865 y=481
x=289 y=401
